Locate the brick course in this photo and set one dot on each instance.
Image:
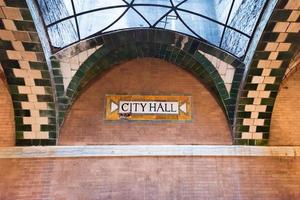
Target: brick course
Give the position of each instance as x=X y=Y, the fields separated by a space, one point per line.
x=157 y=178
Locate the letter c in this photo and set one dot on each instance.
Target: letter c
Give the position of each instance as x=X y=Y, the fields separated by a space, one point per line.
x=123 y=107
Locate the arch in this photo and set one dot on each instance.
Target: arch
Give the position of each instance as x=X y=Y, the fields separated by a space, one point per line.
x=85 y=122
x=275 y=50
x=27 y=76
x=181 y=50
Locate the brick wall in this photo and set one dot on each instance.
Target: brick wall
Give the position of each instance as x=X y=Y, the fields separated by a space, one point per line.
x=285 y=124
x=7 y=130
x=157 y=178
x=85 y=122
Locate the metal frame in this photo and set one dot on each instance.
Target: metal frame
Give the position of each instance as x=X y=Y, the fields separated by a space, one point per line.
x=172 y=8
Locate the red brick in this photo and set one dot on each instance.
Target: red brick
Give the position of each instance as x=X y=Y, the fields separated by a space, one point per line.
x=131 y=178
x=85 y=123
x=7 y=125
x=285 y=124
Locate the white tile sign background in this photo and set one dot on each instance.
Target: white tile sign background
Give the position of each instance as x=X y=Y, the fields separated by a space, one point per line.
x=148 y=107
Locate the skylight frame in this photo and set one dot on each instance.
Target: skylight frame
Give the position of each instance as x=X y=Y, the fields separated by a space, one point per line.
x=172 y=8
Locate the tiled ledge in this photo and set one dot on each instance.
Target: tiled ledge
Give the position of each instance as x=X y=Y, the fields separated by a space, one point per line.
x=147 y=150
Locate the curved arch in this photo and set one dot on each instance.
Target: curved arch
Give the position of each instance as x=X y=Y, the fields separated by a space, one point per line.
x=265 y=72
x=181 y=50
x=106 y=58
x=85 y=121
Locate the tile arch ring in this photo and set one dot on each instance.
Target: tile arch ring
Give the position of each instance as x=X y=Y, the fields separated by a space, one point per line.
x=202 y=60
x=276 y=49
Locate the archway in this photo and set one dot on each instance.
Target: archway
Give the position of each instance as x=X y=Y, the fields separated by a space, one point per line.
x=86 y=124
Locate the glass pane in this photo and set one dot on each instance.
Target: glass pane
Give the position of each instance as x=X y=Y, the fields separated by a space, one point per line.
x=176 y=2
x=245 y=14
x=63 y=34
x=96 y=21
x=131 y=19
x=85 y=5
x=156 y=2
x=205 y=28
x=172 y=22
x=214 y=9
x=152 y=13
x=234 y=42
x=54 y=10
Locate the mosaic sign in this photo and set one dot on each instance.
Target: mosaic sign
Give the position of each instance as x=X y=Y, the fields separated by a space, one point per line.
x=145 y=107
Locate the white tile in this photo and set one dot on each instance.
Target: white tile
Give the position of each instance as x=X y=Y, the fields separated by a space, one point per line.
x=250 y=108
x=28 y=135
x=246 y=135
x=257 y=79
x=294 y=28
x=248 y=122
x=261 y=87
x=281 y=27
x=263 y=64
x=257 y=136
x=264 y=94
x=252 y=129
x=260 y=108
x=271 y=46
x=259 y=122
x=273 y=56
x=269 y=79
x=257 y=101
x=266 y=72
x=283 y=47
x=253 y=93
x=294 y=15
x=281 y=37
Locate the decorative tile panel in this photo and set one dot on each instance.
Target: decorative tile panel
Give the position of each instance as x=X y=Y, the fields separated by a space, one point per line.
x=27 y=74
x=278 y=45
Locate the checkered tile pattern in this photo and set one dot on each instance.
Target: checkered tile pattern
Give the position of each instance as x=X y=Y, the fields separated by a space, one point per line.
x=27 y=74
x=279 y=42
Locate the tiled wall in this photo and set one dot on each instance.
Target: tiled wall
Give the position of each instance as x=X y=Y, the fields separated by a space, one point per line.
x=279 y=42
x=225 y=70
x=69 y=64
x=30 y=84
x=126 y=45
x=7 y=124
x=86 y=124
x=27 y=75
x=153 y=178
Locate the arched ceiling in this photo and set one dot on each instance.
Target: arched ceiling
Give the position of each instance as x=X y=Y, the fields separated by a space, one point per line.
x=30 y=78
x=226 y=24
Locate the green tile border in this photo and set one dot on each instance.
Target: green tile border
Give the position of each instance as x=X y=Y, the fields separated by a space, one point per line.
x=163 y=44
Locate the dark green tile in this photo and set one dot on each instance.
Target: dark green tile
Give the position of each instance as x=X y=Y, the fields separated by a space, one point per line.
x=44 y=98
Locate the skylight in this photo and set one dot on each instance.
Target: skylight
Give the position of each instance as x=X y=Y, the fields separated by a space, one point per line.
x=227 y=24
